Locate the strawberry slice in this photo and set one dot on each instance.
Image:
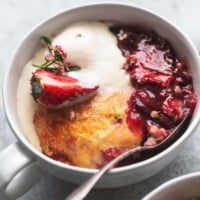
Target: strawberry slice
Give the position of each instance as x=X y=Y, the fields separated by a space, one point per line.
x=58 y=90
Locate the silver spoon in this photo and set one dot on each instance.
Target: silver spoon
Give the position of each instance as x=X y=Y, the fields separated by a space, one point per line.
x=81 y=192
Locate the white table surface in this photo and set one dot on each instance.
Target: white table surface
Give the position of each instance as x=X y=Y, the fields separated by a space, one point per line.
x=19 y=16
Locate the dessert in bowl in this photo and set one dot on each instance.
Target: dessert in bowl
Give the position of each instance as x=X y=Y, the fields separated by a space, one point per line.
x=121 y=79
x=89 y=104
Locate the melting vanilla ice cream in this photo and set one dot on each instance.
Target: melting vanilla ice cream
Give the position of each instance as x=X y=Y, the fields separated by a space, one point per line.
x=93 y=47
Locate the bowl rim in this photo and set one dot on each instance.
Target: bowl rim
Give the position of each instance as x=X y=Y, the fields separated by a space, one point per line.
x=172 y=182
x=38 y=154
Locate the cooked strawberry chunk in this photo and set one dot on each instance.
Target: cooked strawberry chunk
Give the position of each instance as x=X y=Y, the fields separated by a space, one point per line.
x=113 y=152
x=174 y=108
x=191 y=101
x=152 y=58
x=150 y=141
x=135 y=122
x=156 y=131
x=148 y=98
x=141 y=75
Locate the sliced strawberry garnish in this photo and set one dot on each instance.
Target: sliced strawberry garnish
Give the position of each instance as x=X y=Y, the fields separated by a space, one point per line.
x=56 y=90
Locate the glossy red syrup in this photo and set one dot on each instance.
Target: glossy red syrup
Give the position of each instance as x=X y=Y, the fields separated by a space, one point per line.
x=163 y=85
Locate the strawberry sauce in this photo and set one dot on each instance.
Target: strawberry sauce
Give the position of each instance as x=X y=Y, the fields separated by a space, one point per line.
x=163 y=85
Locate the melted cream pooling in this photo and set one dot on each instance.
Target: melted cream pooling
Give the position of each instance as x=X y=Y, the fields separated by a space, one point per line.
x=89 y=45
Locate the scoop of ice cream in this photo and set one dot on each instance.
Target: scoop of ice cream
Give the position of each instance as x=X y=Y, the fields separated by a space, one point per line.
x=93 y=47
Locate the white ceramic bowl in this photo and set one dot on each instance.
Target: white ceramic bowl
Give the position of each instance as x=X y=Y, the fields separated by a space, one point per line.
x=185 y=187
x=120 y=176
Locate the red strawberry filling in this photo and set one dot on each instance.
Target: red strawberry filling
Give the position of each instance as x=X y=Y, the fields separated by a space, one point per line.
x=135 y=122
x=141 y=75
x=174 y=108
x=163 y=86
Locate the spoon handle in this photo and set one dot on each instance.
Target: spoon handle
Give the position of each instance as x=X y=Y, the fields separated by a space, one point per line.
x=81 y=192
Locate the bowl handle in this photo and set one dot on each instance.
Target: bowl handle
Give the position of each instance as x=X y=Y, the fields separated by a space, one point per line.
x=18 y=171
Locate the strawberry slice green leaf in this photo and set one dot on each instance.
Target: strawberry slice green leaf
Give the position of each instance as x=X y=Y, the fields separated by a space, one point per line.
x=46 y=39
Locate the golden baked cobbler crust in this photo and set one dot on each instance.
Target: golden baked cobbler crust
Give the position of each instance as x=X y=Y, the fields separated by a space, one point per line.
x=78 y=135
